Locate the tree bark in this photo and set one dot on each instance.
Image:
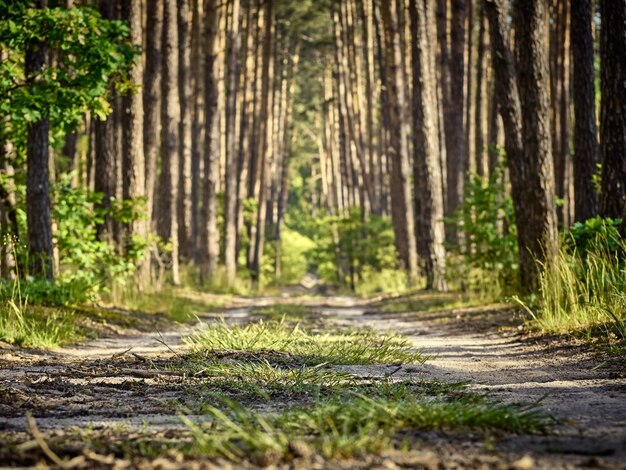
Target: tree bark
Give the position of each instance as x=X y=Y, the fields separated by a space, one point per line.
x=230 y=193
x=613 y=108
x=37 y=176
x=531 y=187
x=152 y=103
x=402 y=207
x=427 y=172
x=185 y=128
x=133 y=160
x=455 y=132
x=264 y=140
x=585 y=128
x=168 y=204
x=209 y=236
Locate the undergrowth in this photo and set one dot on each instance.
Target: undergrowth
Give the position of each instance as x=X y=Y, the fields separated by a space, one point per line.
x=315 y=402
x=584 y=289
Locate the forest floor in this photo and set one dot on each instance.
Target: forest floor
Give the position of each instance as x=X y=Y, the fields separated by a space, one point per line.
x=114 y=402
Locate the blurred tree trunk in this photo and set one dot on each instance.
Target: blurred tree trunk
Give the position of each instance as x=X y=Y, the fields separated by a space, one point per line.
x=37 y=176
x=209 y=236
x=133 y=160
x=230 y=193
x=426 y=163
x=264 y=138
x=197 y=136
x=455 y=132
x=152 y=103
x=585 y=128
x=185 y=128
x=401 y=194
x=169 y=182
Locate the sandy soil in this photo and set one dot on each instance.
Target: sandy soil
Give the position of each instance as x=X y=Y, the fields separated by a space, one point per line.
x=113 y=384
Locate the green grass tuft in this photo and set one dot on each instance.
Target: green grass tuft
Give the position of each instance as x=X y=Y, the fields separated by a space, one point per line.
x=583 y=293
x=351 y=348
x=344 y=427
x=37 y=327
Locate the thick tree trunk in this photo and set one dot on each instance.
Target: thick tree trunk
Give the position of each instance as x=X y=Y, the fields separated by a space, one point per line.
x=585 y=128
x=530 y=19
x=427 y=172
x=531 y=187
x=613 y=108
x=168 y=204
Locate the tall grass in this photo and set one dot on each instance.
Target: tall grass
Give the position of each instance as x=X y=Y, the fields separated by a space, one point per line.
x=584 y=291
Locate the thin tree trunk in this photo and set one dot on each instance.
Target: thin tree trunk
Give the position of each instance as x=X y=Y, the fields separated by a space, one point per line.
x=152 y=103
x=185 y=128
x=197 y=136
x=170 y=136
x=264 y=141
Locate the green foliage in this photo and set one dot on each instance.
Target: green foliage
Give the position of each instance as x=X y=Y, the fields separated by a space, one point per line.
x=584 y=290
x=88 y=266
x=28 y=326
x=489 y=259
x=594 y=234
x=294 y=262
x=345 y=426
x=352 y=251
x=90 y=52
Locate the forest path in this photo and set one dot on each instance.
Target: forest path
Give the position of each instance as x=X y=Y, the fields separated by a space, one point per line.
x=120 y=380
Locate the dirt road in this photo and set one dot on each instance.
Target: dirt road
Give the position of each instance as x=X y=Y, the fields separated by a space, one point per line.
x=111 y=383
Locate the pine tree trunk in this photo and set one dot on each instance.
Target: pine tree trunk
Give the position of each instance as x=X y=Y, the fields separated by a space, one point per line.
x=585 y=128
x=37 y=176
x=230 y=193
x=209 y=236
x=133 y=160
x=530 y=20
x=152 y=103
x=427 y=172
x=264 y=140
x=185 y=128
x=170 y=137
x=402 y=207
x=455 y=131
x=613 y=108
x=197 y=136
x=531 y=187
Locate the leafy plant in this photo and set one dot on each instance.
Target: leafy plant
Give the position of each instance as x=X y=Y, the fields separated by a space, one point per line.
x=351 y=250
x=489 y=255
